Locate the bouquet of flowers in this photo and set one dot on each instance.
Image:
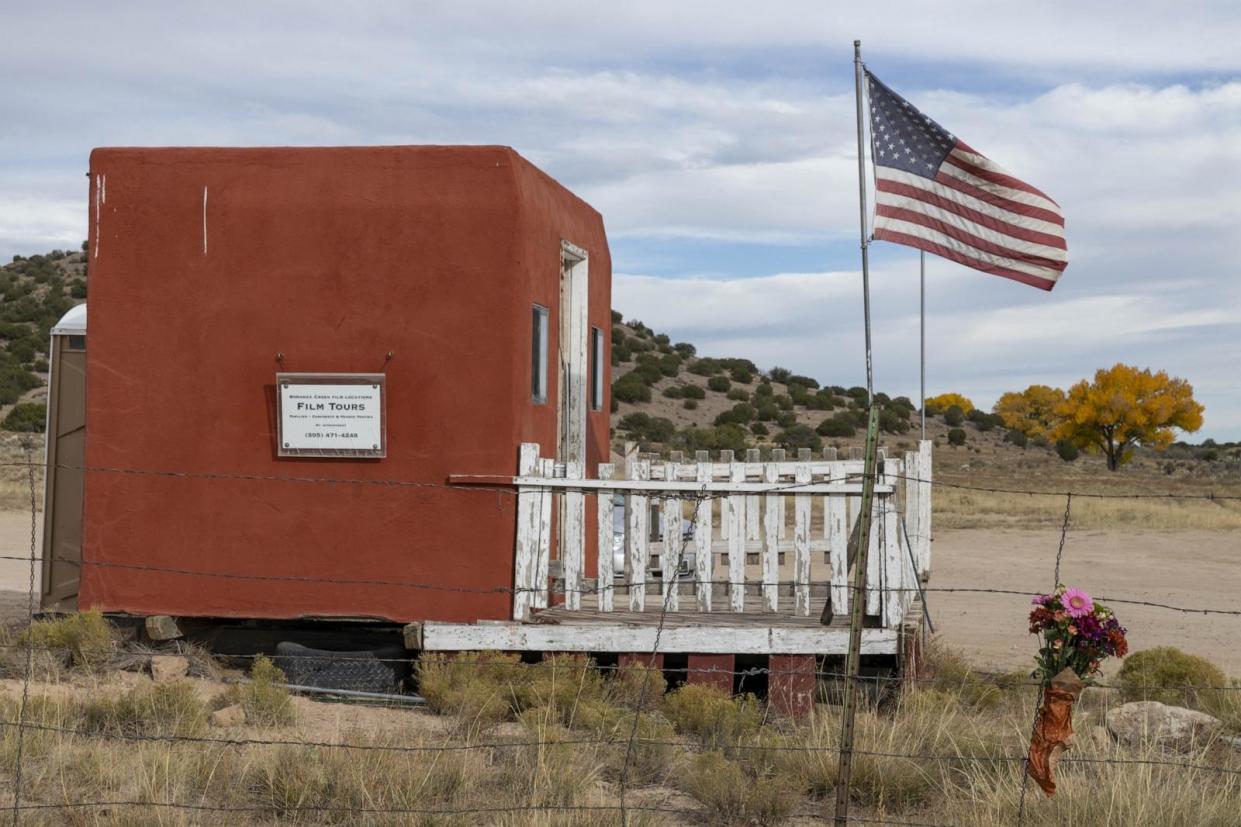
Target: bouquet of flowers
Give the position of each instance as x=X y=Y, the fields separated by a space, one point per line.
x=1077 y=635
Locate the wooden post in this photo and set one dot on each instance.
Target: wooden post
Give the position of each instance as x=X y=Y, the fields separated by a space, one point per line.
x=637 y=537
x=704 y=564
x=801 y=541
x=573 y=539
x=773 y=516
x=736 y=541
x=712 y=670
x=526 y=550
x=853 y=661
x=604 y=586
x=791 y=683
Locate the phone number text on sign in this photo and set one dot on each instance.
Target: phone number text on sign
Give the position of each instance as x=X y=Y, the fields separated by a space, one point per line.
x=321 y=418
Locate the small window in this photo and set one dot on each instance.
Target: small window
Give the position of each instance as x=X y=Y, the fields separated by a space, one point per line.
x=75 y=343
x=596 y=369
x=538 y=356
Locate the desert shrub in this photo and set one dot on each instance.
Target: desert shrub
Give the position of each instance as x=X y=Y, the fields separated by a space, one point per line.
x=759 y=429
x=637 y=344
x=903 y=403
x=1015 y=437
x=620 y=354
x=798 y=392
x=22 y=350
x=780 y=375
x=14 y=380
x=738 y=395
x=560 y=685
x=893 y=422
x=719 y=384
x=835 y=426
x=821 y=401
x=984 y=421
x=741 y=375
x=706 y=367
x=1066 y=450
x=649 y=373
x=764 y=389
x=618 y=336
x=694 y=392
x=632 y=687
x=1168 y=675
x=766 y=411
x=685 y=349
x=733 y=796
x=39 y=366
x=645 y=426
x=794 y=437
x=805 y=381
x=954 y=417
x=473 y=685
x=631 y=388
x=662 y=339
x=26 y=417
x=743 y=412
x=670 y=364
x=730 y=437
x=159 y=709
x=617 y=318
x=265 y=700
x=956 y=436
x=786 y=419
x=84 y=639
x=715 y=718
x=690 y=404
x=857 y=393
x=674 y=392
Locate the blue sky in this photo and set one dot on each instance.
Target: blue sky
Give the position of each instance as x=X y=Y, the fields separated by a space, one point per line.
x=718 y=142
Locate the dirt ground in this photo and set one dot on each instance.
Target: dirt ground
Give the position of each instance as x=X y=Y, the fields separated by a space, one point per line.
x=1183 y=568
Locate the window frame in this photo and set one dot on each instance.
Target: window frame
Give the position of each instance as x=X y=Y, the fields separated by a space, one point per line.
x=596 y=368
x=539 y=336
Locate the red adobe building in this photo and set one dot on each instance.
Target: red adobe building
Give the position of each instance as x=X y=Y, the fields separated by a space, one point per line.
x=488 y=283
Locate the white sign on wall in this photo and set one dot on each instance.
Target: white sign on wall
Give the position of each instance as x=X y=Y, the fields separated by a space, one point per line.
x=331 y=414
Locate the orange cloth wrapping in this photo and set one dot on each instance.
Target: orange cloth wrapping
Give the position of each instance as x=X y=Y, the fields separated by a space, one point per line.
x=1053 y=728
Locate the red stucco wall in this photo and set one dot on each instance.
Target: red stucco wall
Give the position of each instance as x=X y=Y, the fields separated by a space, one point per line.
x=333 y=257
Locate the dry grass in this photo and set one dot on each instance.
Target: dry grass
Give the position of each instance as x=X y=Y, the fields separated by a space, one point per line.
x=940 y=753
x=265 y=701
x=960 y=508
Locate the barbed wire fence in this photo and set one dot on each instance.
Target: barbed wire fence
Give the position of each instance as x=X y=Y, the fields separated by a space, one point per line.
x=629 y=742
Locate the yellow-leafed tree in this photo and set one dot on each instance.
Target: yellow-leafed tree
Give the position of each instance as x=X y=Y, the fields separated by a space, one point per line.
x=1031 y=411
x=946 y=400
x=1124 y=407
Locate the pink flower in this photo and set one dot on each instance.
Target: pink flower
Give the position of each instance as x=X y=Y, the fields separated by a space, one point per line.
x=1072 y=630
x=1076 y=602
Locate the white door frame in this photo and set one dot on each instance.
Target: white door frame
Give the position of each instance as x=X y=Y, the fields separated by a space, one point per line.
x=574 y=356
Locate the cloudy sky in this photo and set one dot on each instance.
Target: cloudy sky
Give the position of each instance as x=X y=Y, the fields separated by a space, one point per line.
x=718 y=141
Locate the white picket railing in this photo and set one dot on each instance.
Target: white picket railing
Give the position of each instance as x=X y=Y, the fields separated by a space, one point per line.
x=740 y=548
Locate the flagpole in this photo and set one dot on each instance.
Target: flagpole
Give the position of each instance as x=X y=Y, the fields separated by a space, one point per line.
x=861 y=186
x=922 y=331
x=857 y=555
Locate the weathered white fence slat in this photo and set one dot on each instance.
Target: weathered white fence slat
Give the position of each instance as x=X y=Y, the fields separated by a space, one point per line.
x=760 y=550
x=604 y=567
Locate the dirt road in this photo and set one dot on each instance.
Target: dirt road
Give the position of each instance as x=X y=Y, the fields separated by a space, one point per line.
x=1199 y=569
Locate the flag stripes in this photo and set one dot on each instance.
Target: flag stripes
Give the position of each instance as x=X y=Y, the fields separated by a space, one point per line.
x=936 y=193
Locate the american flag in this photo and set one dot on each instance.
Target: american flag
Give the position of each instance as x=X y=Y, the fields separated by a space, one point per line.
x=936 y=193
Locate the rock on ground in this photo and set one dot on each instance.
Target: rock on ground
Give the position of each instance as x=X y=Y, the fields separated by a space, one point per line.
x=229 y=716
x=1174 y=727
x=165 y=668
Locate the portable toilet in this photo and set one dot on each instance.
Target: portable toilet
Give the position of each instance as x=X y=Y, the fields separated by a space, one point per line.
x=65 y=454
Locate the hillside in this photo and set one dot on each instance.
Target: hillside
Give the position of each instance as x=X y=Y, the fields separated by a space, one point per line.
x=668 y=398
x=35 y=293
